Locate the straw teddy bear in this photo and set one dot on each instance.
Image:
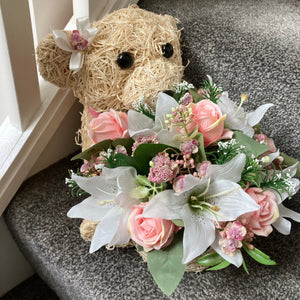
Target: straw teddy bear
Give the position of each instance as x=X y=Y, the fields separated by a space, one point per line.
x=128 y=54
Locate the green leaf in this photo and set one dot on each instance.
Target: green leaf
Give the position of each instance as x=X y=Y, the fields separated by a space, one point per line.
x=200 y=156
x=143 y=180
x=165 y=265
x=245 y=267
x=178 y=222
x=251 y=146
x=259 y=256
x=142 y=156
x=289 y=161
x=95 y=149
x=220 y=266
x=139 y=192
x=103 y=146
x=209 y=260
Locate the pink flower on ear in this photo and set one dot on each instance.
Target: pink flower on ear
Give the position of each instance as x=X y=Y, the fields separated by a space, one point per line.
x=208 y=116
x=108 y=125
x=259 y=221
x=150 y=233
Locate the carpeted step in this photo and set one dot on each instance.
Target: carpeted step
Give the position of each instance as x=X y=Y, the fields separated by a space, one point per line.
x=251 y=47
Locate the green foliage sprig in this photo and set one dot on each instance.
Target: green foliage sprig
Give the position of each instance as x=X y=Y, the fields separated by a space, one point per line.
x=75 y=189
x=143 y=108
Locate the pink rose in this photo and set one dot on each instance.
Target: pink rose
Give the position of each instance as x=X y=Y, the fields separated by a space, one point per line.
x=259 y=222
x=108 y=125
x=150 y=233
x=208 y=117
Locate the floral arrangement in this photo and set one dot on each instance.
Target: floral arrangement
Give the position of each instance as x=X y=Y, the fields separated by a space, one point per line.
x=193 y=182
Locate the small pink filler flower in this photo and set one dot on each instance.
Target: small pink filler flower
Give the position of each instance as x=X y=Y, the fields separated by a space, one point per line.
x=232 y=237
x=150 y=233
x=108 y=125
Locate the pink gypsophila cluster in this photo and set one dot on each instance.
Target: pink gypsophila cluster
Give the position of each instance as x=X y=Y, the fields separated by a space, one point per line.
x=162 y=168
x=77 y=41
x=232 y=237
x=145 y=139
x=189 y=147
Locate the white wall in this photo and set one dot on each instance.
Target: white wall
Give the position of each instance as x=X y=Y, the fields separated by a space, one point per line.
x=13 y=266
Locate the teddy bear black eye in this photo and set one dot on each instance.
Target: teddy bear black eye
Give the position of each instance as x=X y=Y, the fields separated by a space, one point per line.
x=167 y=50
x=125 y=60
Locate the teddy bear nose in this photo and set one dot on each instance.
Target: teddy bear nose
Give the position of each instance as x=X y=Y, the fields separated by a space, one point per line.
x=125 y=60
x=169 y=92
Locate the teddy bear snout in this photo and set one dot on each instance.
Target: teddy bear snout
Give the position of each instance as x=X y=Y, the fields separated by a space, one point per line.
x=150 y=79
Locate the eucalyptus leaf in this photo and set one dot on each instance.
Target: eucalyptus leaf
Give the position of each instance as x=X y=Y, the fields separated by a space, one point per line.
x=220 y=266
x=252 y=147
x=259 y=256
x=289 y=161
x=209 y=260
x=165 y=265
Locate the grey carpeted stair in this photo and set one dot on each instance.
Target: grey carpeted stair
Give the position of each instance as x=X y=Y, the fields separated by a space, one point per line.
x=251 y=47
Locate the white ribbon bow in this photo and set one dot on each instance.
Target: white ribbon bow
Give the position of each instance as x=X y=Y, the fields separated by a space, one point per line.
x=64 y=41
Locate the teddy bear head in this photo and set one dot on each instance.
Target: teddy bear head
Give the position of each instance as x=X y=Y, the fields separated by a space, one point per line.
x=134 y=53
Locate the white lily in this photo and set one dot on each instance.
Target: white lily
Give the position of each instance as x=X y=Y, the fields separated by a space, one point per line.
x=110 y=203
x=237 y=118
x=199 y=205
x=62 y=41
x=139 y=124
x=281 y=224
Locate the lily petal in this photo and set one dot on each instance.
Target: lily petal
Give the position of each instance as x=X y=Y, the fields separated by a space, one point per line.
x=231 y=170
x=122 y=236
x=90 y=209
x=199 y=234
x=254 y=117
x=164 y=106
x=286 y=212
x=282 y=225
x=236 y=260
x=233 y=203
x=170 y=138
x=97 y=186
x=106 y=229
x=165 y=206
x=139 y=124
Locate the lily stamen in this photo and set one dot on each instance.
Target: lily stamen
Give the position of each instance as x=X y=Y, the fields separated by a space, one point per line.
x=243 y=99
x=206 y=189
x=103 y=202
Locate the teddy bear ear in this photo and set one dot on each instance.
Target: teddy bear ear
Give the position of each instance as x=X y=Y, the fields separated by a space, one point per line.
x=54 y=62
